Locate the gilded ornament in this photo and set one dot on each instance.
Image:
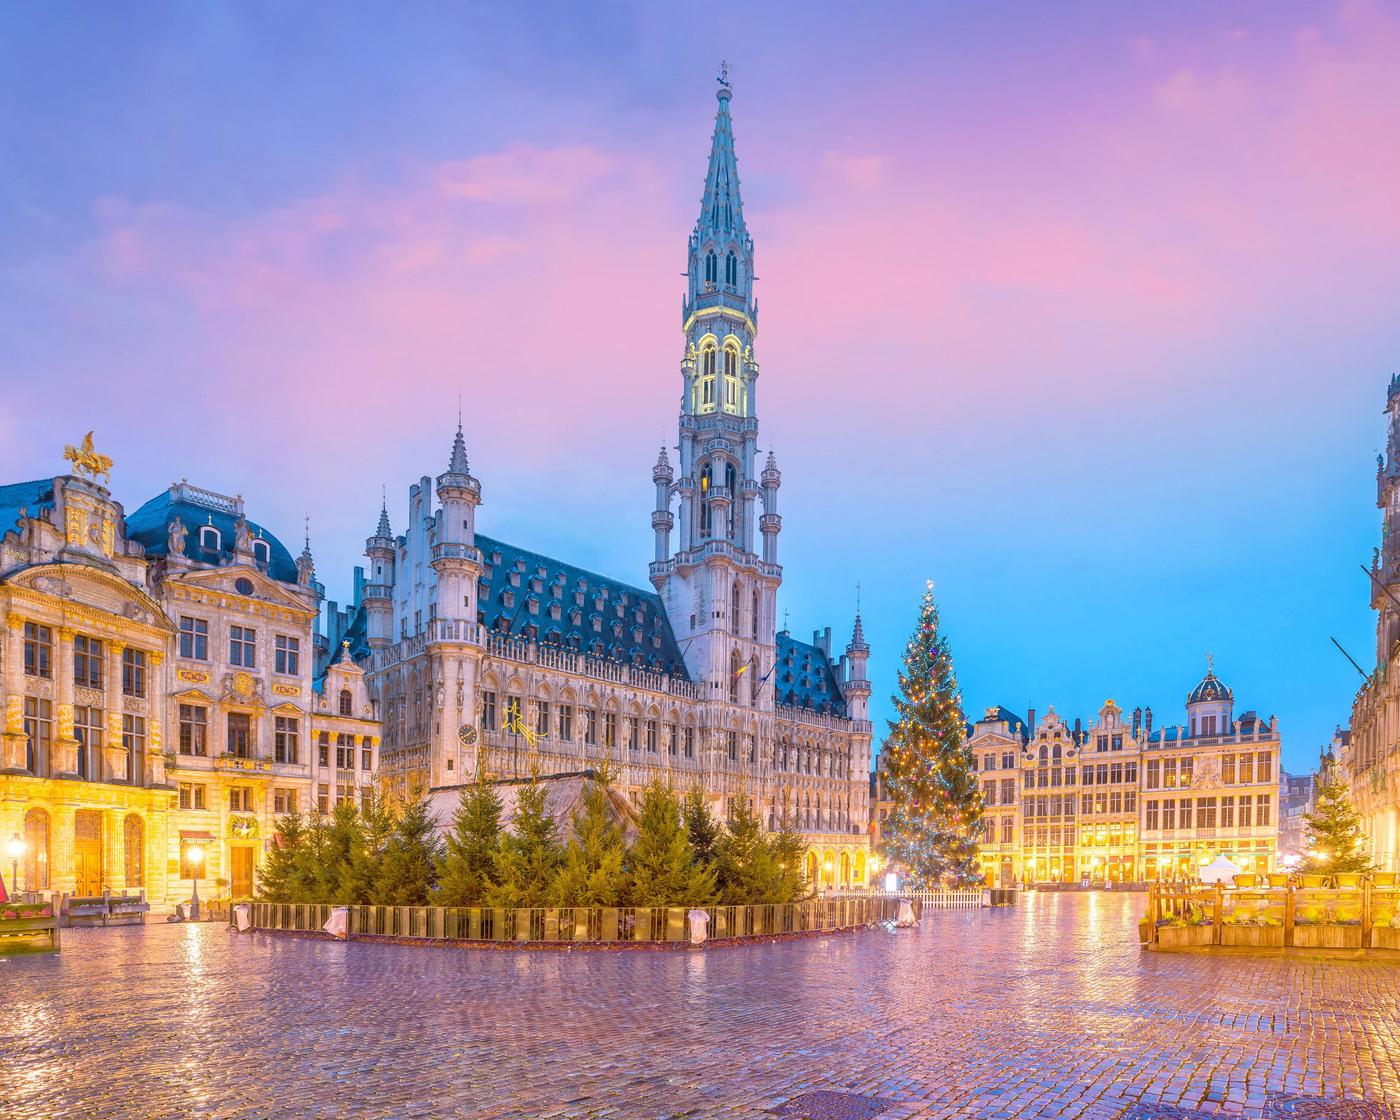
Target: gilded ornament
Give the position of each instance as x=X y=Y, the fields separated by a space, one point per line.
x=192 y=675
x=242 y=684
x=109 y=536
x=88 y=461
x=75 y=524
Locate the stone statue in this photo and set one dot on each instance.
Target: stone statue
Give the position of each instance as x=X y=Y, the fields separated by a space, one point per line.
x=242 y=538
x=178 y=533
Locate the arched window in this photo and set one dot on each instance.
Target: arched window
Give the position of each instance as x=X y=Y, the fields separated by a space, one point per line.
x=711 y=268
x=734 y=605
x=753 y=615
x=707 y=479
x=731 y=270
x=262 y=552
x=209 y=538
x=134 y=850
x=732 y=389
x=36 y=850
x=734 y=676
x=731 y=481
x=346 y=702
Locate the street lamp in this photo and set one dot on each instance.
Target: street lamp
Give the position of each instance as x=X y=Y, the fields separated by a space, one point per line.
x=14 y=848
x=195 y=856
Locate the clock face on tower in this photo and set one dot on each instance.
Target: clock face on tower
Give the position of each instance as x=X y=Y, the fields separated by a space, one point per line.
x=466 y=734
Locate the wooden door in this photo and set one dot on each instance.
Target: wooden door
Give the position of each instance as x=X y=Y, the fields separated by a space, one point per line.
x=87 y=853
x=241 y=875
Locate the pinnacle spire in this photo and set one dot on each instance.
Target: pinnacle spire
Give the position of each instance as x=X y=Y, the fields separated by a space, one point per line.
x=383 y=530
x=458 y=465
x=721 y=209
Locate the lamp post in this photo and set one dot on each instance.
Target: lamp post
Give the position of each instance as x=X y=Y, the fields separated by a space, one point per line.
x=195 y=855
x=14 y=848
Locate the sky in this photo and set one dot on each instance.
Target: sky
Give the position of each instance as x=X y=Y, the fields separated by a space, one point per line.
x=1086 y=312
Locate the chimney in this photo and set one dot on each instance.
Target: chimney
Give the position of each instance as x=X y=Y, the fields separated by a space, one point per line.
x=1137 y=721
x=1030 y=722
x=1148 y=723
x=1078 y=730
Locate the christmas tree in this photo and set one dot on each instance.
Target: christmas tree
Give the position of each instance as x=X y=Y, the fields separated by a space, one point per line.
x=744 y=864
x=277 y=878
x=1335 y=840
x=701 y=828
x=931 y=831
x=467 y=867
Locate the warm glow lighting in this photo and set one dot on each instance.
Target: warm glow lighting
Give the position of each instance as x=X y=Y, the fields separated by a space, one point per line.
x=195 y=854
x=828 y=865
x=14 y=847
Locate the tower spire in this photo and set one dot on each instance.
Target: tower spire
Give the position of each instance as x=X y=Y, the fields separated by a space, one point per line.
x=458 y=464
x=383 y=530
x=721 y=208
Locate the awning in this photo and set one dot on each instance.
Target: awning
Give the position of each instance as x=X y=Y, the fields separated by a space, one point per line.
x=195 y=834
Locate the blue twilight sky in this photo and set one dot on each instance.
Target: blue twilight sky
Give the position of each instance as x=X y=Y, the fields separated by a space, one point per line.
x=1086 y=311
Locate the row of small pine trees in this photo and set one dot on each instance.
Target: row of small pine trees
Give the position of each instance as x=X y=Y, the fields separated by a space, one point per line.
x=391 y=856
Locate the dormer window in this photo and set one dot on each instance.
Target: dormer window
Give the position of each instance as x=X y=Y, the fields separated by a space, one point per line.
x=346 y=702
x=262 y=552
x=209 y=538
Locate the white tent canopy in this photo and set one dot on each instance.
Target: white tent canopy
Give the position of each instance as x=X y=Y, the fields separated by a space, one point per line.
x=1220 y=870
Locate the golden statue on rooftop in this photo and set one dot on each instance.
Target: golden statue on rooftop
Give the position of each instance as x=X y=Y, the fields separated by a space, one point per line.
x=88 y=461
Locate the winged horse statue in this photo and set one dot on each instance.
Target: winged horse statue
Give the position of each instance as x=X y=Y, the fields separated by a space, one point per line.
x=86 y=460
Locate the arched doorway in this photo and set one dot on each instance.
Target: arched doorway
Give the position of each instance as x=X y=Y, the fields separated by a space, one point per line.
x=845 y=869
x=134 y=851
x=87 y=853
x=813 y=880
x=860 y=870
x=36 y=850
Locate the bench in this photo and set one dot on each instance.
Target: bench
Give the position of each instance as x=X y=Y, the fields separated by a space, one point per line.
x=106 y=909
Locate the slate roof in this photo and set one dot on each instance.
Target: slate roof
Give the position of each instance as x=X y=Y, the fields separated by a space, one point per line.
x=597 y=615
x=1016 y=723
x=1247 y=723
x=148 y=525
x=1210 y=688
x=805 y=678
x=33 y=497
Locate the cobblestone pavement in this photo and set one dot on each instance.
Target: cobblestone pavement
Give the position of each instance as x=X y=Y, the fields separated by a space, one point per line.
x=1047 y=1009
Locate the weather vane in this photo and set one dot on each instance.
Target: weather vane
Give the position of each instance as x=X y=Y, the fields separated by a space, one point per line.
x=724 y=74
x=1210 y=662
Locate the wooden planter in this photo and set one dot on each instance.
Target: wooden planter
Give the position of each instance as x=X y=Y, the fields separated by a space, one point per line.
x=1254 y=937
x=1184 y=937
x=28 y=935
x=1325 y=936
x=1384 y=937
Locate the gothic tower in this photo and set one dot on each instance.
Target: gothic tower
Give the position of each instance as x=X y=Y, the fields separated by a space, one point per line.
x=1385 y=565
x=719 y=593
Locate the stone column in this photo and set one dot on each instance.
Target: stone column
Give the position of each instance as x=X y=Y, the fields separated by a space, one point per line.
x=114 y=764
x=12 y=746
x=153 y=766
x=65 y=744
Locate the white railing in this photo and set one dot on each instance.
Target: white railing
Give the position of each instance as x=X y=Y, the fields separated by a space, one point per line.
x=931 y=900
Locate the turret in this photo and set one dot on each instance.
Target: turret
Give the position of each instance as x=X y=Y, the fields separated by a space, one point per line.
x=661 y=518
x=770 y=524
x=857 y=686
x=378 y=594
x=455 y=557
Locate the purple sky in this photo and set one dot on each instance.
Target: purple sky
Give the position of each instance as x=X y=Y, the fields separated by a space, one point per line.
x=1088 y=314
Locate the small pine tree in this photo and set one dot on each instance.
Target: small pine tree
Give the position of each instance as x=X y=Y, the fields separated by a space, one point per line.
x=592 y=873
x=409 y=865
x=790 y=862
x=744 y=864
x=664 y=868
x=467 y=867
x=360 y=880
x=341 y=844
x=701 y=828
x=529 y=855
x=305 y=877
x=277 y=879
x=1336 y=842
x=932 y=829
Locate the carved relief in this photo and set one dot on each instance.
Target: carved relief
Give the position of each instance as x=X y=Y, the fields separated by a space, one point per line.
x=75 y=523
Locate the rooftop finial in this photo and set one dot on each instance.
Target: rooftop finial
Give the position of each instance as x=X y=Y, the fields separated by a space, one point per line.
x=724 y=73
x=383 y=530
x=1210 y=662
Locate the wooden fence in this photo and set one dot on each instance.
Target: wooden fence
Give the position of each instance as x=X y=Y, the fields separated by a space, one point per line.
x=580 y=924
x=1360 y=917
